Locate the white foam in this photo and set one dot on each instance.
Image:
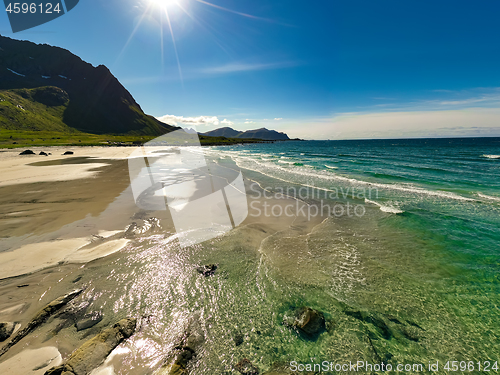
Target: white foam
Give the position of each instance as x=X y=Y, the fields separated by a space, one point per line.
x=388 y=209
x=331 y=166
x=492 y=156
x=496 y=199
x=330 y=176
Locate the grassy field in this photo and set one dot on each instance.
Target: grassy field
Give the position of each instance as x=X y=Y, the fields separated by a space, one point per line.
x=26 y=139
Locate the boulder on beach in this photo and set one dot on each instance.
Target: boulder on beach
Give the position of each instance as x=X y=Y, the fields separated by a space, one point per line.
x=306 y=321
x=93 y=352
x=6 y=329
x=43 y=153
x=27 y=152
x=68 y=153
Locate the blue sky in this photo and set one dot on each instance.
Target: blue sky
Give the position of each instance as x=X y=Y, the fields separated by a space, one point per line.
x=321 y=69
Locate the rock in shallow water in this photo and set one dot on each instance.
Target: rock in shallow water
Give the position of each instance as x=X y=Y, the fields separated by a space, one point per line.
x=309 y=322
x=93 y=352
x=207 y=270
x=190 y=344
x=245 y=367
x=88 y=321
x=6 y=329
x=40 y=318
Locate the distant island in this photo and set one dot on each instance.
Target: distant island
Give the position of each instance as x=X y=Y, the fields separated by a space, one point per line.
x=262 y=133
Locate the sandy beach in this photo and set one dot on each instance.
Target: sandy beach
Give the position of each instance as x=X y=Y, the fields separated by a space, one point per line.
x=64 y=215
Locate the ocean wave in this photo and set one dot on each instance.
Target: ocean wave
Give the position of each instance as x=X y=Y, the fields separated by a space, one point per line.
x=388 y=209
x=489 y=197
x=329 y=175
x=491 y=156
x=331 y=167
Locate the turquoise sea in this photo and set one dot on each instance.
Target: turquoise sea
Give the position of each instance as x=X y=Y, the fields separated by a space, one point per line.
x=427 y=249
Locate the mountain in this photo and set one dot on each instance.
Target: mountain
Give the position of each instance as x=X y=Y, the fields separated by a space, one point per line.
x=223 y=132
x=48 y=88
x=262 y=133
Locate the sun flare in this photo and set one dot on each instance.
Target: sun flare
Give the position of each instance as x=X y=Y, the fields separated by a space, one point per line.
x=163 y=3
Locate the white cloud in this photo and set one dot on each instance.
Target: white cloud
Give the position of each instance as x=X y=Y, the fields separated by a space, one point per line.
x=191 y=121
x=246 y=67
x=249 y=122
x=278 y=118
x=227 y=122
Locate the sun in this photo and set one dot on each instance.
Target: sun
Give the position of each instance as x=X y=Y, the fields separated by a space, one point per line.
x=163 y=4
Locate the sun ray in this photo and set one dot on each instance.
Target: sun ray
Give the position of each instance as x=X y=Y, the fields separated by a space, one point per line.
x=132 y=34
x=175 y=46
x=161 y=46
x=204 y=27
x=235 y=12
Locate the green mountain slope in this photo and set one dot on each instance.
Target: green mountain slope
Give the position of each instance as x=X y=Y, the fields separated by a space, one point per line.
x=48 y=88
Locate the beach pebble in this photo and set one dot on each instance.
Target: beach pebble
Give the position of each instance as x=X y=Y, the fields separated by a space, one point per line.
x=6 y=329
x=68 y=153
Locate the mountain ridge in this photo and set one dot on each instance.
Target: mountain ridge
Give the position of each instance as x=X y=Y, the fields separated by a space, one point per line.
x=79 y=96
x=261 y=133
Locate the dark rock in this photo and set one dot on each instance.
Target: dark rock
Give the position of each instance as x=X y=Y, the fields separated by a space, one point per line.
x=207 y=270
x=43 y=153
x=40 y=318
x=88 y=321
x=411 y=333
x=414 y=325
x=185 y=351
x=388 y=326
x=27 y=152
x=238 y=338
x=245 y=367
x=23 y=285
x=374 y=319
x=94 y=351
x=6 y=329
x=310 y=323
x=68 y=153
